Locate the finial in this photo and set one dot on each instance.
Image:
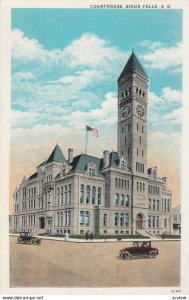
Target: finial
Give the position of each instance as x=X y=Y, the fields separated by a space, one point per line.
x=132 y=50
x=56 y=142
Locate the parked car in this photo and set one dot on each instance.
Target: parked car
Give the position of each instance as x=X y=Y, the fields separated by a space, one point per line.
x=28 y=238
x=139 y=249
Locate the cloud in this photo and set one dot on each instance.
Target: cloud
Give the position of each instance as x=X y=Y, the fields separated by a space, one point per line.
x=106 y=114
x=23 y=119
x=163 y=57
x=91 y=51
x=19 y=76
x=174 y=116
x=25 y=48
x=171 y=95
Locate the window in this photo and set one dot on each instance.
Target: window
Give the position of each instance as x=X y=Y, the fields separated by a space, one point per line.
x=122 y=130
x=153 y=224
x=137 y=154
x=58 y=195
x=149 y=221
x=137 y=186
x=154 y=204
x=115 y=182
x=143 y=187
x=91 y=172
x=157 y=204
x=157 y=221
x=129 y=127
x=82 y=193
x=140 y=140
x=142 y=129
x=165 y=205
x=168 y=206
x=165 y=223
x=61 y=218
x=127 y=201
x=116 y=199
x=87 y=218
x=137 y=126
x=116 y=219
x=65 y=194
x=93 y=194
x=140 y=186
x=99 y=196
x=58 y=219
x=122 y=200
x=121 y=219
x=82 y=217
x=125 y=141
x=88 y=194
x=105 y=220
x=149 y=203
x=142 y=153
x=127 y=219
x=62 y=194
x=69 y=193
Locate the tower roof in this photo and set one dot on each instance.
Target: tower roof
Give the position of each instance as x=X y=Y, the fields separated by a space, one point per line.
x=56 y=155
x=132 y=64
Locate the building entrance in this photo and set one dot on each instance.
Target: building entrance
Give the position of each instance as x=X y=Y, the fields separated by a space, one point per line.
x=41 y=223
x=139 y=221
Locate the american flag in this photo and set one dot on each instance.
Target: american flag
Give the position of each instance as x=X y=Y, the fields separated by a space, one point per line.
x=92 y=131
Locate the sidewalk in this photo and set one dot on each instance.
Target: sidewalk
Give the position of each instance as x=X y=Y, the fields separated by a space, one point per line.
x=97 y=240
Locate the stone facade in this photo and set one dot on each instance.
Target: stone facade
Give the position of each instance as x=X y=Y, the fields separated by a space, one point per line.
x=115 y=194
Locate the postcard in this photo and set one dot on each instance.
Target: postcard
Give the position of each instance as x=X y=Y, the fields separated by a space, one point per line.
x=94 y=147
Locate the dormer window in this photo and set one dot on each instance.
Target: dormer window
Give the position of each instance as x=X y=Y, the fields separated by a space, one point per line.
x=91 y=169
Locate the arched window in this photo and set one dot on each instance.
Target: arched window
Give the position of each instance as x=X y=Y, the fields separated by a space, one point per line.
x=137 y=186
x=130 y=91
x=157 y=221
x=154 y=204
x=88 y=194
x=149 y=221
x=119 y=182
x=122 y=200
x=143 y=187
x=149 y=203
x=137 y=126
x=140 y=92
x=99 y=196
x=143 y=94
x=140 y=140
x=93 y=194
x=157 y=204
x=137 y=90
x=127 y=201
x=165 y=205
x=153 y=221
x=116 y=199
x=82 y=193
x=165 y=223
x=140 y=186
x=126 y=93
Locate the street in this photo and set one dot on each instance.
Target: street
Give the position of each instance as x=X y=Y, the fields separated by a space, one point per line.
x=68 y=264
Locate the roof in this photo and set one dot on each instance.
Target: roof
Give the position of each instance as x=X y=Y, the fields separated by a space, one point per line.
x=114 y=159
x=80 y=162
x=132 y=64
x=33 y=176
x=56 y=155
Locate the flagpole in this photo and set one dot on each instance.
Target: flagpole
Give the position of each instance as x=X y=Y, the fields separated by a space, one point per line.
x=86 y=141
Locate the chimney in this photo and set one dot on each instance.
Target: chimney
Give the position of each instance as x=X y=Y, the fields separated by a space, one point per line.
x=70 y=155
x=106 y=158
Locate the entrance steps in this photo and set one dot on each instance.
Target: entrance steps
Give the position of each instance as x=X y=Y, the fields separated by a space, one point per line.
x=148 y=234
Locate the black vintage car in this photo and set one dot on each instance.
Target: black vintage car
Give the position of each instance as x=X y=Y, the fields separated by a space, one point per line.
x=139 y=249
x=28 y=238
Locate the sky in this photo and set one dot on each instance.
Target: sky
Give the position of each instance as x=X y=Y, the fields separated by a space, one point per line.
x=64 y=70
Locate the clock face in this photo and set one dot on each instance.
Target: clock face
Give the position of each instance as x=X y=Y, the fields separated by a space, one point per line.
x=125 y=111
x=140 y=110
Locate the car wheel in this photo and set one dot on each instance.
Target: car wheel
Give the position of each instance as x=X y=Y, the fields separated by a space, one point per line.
x=152 y=254
x=18 y=240
x=125 y=255
x=32 y=242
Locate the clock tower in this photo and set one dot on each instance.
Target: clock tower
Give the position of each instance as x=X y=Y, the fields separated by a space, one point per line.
x=132 y=116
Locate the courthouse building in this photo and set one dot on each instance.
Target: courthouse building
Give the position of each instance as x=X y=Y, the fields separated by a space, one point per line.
x=114 y=194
